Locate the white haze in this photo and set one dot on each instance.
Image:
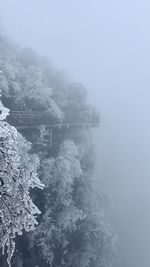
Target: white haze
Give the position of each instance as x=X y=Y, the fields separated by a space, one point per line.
x=106 y=46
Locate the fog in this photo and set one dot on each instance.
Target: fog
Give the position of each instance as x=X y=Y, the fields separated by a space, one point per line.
x=105 y=46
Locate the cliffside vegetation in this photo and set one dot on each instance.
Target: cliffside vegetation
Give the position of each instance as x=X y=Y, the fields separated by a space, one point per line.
x=72 y=229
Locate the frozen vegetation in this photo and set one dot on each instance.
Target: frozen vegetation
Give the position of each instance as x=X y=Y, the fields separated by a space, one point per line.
x=52 y=205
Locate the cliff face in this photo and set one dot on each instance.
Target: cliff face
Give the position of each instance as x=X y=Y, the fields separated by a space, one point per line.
x=72 y=230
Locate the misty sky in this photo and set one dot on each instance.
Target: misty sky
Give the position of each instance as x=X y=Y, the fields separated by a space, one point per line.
x=106 y=46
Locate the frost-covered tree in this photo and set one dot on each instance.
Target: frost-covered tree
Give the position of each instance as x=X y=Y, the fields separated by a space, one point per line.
x=61 y=216
x=74 y=231
x=24 y=81
x=18 y=174
x=93 y=243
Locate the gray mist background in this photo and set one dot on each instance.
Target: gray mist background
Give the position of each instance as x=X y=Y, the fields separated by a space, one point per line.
x=105 y=45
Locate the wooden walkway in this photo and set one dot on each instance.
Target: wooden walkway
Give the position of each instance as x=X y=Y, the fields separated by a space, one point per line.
x=26 y=119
